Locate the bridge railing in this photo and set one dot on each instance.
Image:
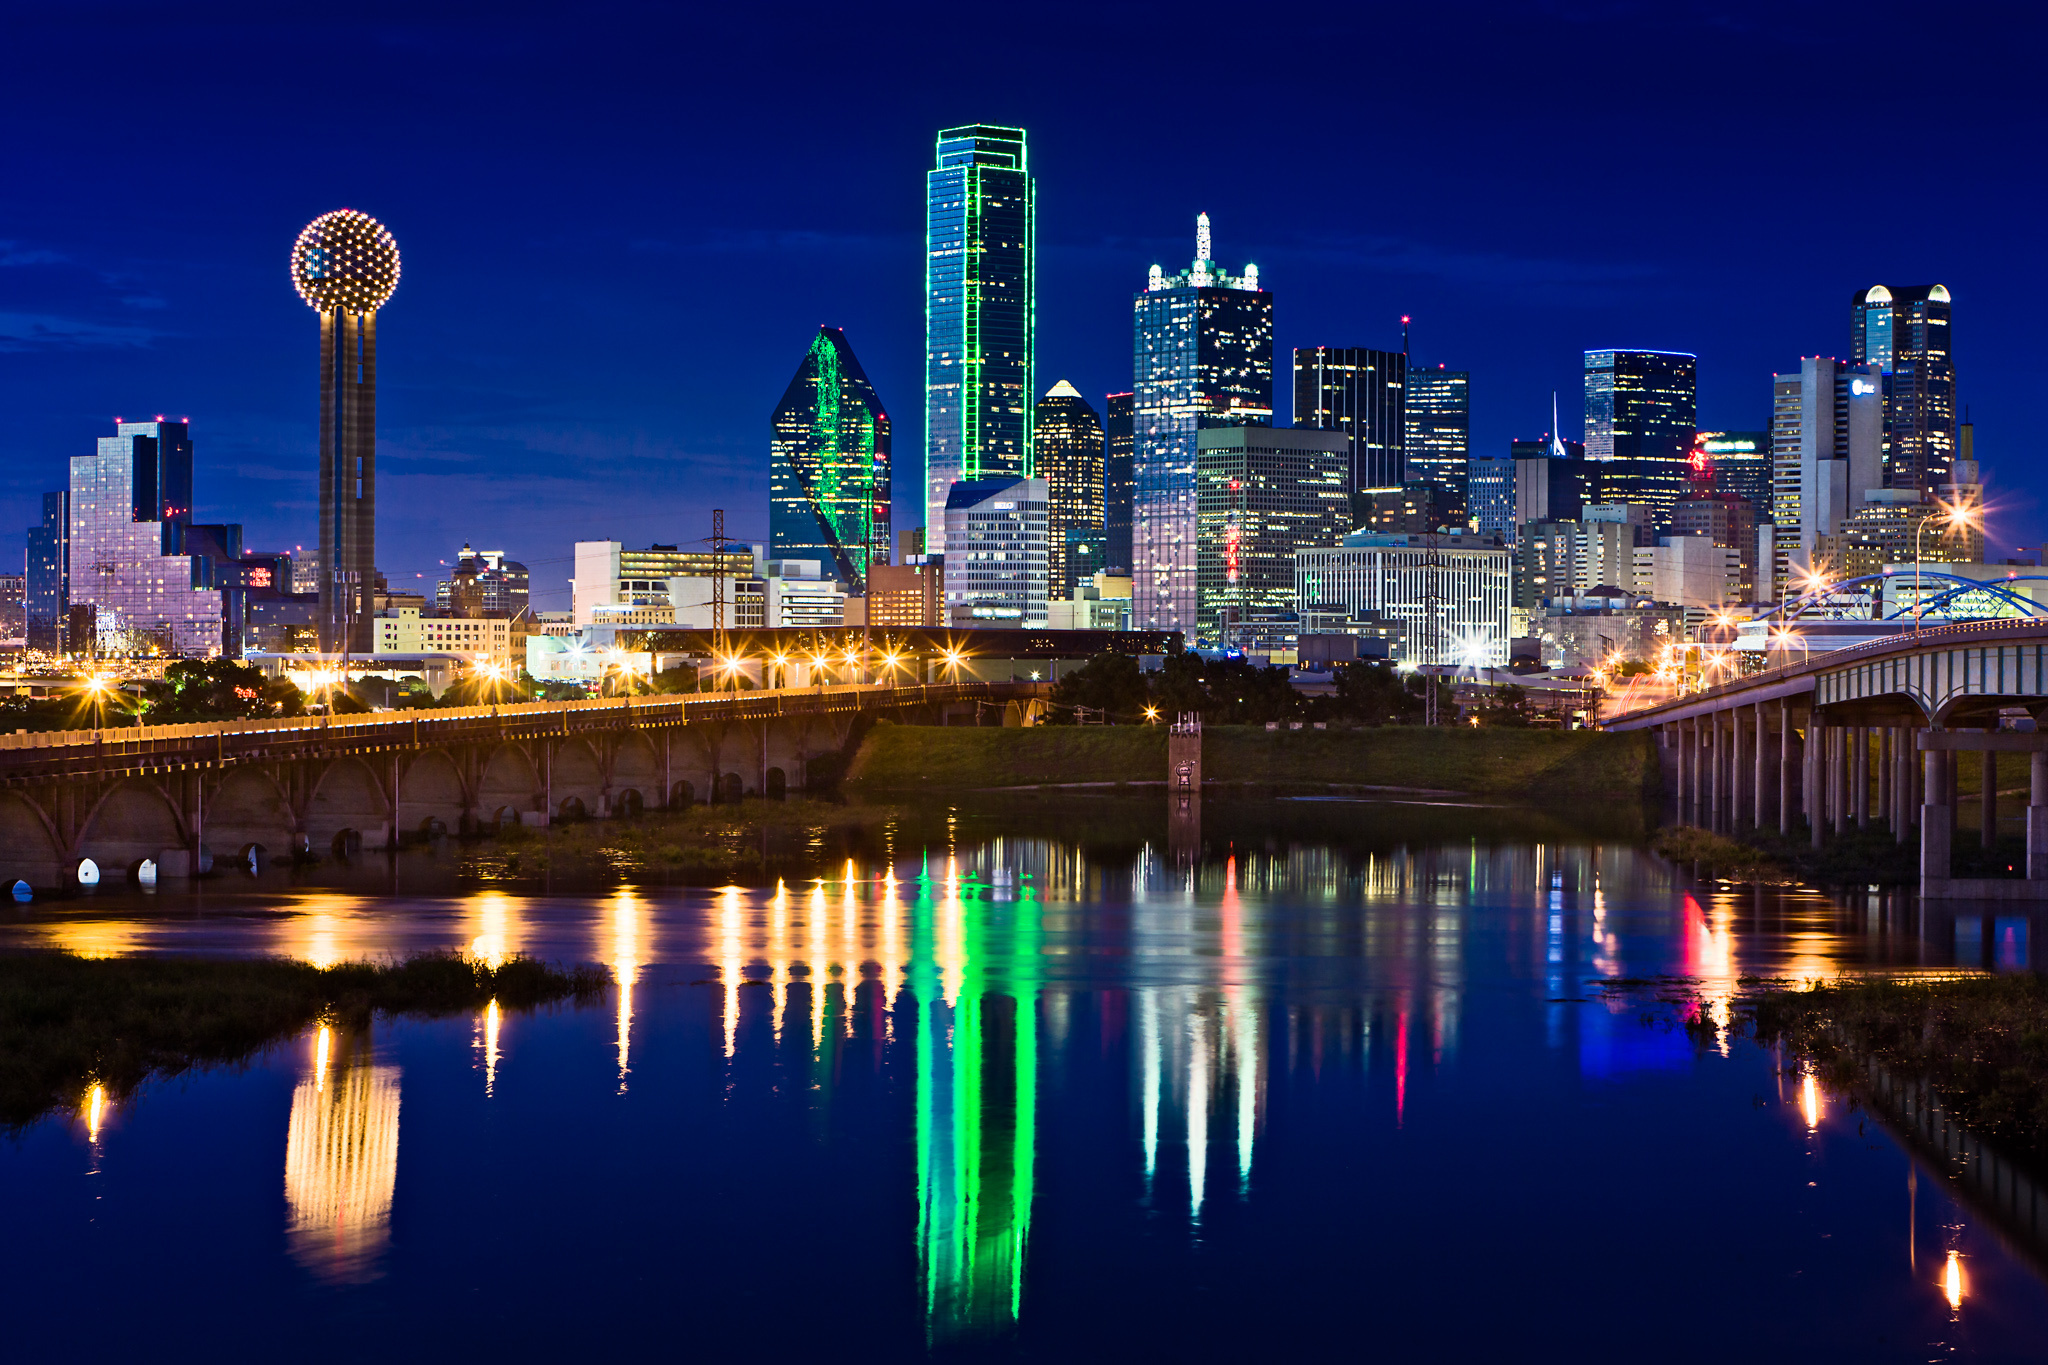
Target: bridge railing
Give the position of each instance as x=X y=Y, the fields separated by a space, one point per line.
x=369 y=728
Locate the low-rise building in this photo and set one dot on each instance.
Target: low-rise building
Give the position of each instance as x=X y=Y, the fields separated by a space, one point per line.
x=408 y=631
x=1452 y=597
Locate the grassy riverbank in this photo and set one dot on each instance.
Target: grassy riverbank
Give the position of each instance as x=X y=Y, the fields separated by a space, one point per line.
x=1981 y=1042
x=1867 y=857
x=703 y=843
x=1574 y=765
x=68 y=1022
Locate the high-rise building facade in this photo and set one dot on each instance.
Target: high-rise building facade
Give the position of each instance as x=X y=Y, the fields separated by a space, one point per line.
x=995 y=564
x=1203 y=357
x=980 y=282
x=1119 y=445
x=1641 y=415
x=1437 y=435
x=49 y=573
x=1264 y=493
x=1067 y=452
x=1490 y=495
x=129 y=501
x=345 y=266
x=1361 y=393
x=1827 y=443
x=828 y=465
x=1904 y=333
x=1740 y=462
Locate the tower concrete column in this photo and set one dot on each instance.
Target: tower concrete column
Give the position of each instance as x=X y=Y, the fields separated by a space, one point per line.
x=1934 y=826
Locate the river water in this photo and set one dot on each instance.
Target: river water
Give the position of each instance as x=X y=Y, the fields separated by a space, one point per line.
x=1361 y=1090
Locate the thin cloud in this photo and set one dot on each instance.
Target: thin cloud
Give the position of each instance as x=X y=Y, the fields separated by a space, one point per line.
x=48 y=332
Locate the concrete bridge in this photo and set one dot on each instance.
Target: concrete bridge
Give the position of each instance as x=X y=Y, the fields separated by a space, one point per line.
x=176 y=794
x=1869 y=736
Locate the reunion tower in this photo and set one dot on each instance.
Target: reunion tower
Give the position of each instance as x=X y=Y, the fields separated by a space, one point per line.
x=345 y=265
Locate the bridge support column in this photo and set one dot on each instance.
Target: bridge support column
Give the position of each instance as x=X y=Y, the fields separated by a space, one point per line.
x=2037 y=819
x=1934 y=815
x=1860 y=776
x=1691 y=792
x=1883 y=762
x=1760 y=767
x=1838 y=775
x=1716 y=792
x=1809 y=775
x=1739 y=798
x=1784 y=765
x=1988 y=836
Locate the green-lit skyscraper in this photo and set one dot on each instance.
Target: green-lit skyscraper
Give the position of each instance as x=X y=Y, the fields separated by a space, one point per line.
x=828 y=471
x=980 y=285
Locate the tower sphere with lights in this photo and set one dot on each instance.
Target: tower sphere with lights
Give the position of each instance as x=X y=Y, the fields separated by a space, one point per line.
x=345 y=266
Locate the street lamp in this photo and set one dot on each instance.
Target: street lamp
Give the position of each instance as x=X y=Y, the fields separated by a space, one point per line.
x=1954 y=516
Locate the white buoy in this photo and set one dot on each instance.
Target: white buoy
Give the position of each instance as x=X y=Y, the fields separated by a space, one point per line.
x=145 y=872
x=88 y=872
x=23 y=892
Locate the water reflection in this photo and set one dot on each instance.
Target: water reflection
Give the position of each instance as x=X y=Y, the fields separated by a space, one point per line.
x=629 y=917
x=341 y=1158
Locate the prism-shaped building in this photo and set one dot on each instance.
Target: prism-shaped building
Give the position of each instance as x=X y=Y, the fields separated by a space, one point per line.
x=828 y=470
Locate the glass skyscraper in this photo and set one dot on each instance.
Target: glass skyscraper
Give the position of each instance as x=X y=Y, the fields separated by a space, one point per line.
x=1641 y=415
x=1119 y=445
x=1904 y=332
x=980 y=288
x=1203 y=357
x=1437 y=435
x=1067 y=454
x=828 y=465
x=1264 y=494
x=1362 y=393
x=129 y=501
x=49 y=573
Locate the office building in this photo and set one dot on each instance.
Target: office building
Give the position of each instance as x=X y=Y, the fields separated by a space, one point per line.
x=1550 y=485
x=1740 y=463
x=1119 y=446
x=1067 y=453
x=608 y=574
x=1451 y=599
x=128 y=502
x=906 y=595
x=828 y=465
x=14 y=610
x=1687 y=571
x=49 y=573
x=1436 y=442
x=1569 y=559
x=1903 y=333
x=1203 y=358
x=910 y=545
x=345 y=266
x=1827 y=443
x=1490 y=496
x=1263 y=493
x=1729 y=522
x=1405 y=509
x=408 y=630
x=1641 y=415
x=995 y=560
x=1361 y=393
x=980 y=278
x=484 y=583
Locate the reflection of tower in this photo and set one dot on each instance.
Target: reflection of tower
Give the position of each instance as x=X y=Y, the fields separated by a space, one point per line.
x=341 y=1159
x=345 y=265
x=977 y=1083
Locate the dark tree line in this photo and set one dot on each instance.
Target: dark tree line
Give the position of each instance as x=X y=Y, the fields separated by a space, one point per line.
x=1233 y=692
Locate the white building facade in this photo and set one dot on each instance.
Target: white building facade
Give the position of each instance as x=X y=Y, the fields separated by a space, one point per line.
x=1453 y=600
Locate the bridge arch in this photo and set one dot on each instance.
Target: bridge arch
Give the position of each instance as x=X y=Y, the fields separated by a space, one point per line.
x=577 y=771
x=430 y=790
x=635 y=765
x=247 y=806
x=509 y=779
x=132 y=820
x=347 y=796
x=29 y=847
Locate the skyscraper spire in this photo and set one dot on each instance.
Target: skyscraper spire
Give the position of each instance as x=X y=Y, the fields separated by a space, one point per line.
x=1557 y=450
x=1202 y=245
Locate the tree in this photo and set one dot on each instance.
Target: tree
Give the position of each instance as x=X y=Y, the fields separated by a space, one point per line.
x=218 y=689
x=1507 y=708
x=1110 y=683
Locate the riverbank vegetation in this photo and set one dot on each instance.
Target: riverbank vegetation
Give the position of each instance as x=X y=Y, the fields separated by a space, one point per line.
x=1573 y=765
x=1980 y=1041
x=703 y=843
x=67 y=1023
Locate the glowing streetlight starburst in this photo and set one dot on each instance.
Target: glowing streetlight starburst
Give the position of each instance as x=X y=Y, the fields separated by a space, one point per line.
x=345 y=260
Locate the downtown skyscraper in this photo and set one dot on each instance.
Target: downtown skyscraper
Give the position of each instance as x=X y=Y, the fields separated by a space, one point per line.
x=1437 y=436
x=1641 y=415
x=1362 y=393
x=1202 y=357
x=1119 y=447
x=828 y=465
x=980 y=287
x=1904 y=333
x=1067 y=454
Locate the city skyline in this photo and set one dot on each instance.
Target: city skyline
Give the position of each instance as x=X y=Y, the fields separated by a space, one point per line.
x=179 y=310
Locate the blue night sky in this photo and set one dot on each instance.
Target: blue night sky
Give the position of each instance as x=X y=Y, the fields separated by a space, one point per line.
x=621 y=223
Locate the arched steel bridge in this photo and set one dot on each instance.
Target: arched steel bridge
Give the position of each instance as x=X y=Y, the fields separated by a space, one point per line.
x=1957 y=588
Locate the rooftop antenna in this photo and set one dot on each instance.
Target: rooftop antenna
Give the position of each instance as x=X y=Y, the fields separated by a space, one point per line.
x=1404 y=334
